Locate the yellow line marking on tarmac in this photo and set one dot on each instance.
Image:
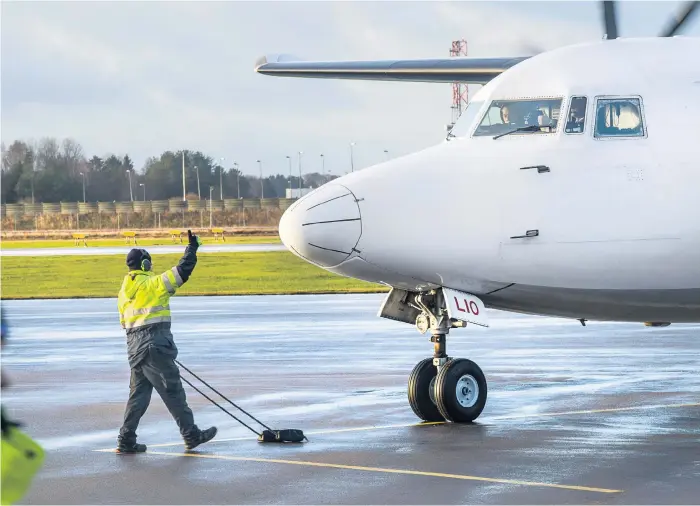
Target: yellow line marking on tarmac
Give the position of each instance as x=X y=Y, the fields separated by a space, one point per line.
x=390 y=470
x=495 y=418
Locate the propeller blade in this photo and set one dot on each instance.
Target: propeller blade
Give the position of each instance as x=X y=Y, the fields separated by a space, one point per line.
x=680 y=18
x=610 y=20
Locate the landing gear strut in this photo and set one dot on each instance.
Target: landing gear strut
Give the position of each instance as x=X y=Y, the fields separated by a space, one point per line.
x=442 y=388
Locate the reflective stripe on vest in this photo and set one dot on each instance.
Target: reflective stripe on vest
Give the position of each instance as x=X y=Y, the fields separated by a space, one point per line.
x=172 y=280
x=143 y=321
x=128 y=313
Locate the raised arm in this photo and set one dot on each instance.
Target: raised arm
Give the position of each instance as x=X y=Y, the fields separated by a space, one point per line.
x=175 y=277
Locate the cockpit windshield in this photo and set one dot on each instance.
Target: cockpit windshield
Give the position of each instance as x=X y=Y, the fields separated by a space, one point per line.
x=510 y=115
x=466 y=120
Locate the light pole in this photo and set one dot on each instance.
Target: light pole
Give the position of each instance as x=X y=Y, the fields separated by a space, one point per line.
x=82 y=174
x=290 y=175
x=323 y=164
x=131 y=193
x=211 y=189
x=386 y=152
x=184 y=192
x=34 y=156
x=221 y=178
x=238 y=180
x=199 y=193
x=262 y=189
x=300 y=180
x=352 y=165
x=144 y=190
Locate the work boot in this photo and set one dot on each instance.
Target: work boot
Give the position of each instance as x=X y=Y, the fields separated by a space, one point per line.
x=199 y=437
x=129 y=446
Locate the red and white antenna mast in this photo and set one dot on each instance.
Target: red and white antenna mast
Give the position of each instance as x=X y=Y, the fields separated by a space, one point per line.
x=460 y=93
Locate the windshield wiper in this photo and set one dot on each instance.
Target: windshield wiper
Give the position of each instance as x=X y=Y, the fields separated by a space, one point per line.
x=531 y=128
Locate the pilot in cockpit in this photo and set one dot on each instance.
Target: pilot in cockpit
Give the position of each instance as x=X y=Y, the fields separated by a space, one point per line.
x=505 y=115
x=519 y=115
x=577 y=116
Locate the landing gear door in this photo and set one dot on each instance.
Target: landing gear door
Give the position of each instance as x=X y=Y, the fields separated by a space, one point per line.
x=465 y=307
x=397 y=306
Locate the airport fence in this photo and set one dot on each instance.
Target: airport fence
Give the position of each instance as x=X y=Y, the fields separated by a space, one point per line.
x=156 y=214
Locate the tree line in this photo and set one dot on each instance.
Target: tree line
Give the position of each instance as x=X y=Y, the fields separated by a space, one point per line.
x=53 y=171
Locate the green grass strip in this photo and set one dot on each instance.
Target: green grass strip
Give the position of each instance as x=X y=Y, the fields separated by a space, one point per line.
x=259 y=273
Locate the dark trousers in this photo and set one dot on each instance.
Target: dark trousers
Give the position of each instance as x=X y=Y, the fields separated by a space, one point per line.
x=157 y=370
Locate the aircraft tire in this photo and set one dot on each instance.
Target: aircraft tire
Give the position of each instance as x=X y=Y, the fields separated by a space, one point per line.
x=419 y=383
x=460 y=391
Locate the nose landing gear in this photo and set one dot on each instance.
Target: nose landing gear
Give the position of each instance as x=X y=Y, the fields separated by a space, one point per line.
x=444 y=388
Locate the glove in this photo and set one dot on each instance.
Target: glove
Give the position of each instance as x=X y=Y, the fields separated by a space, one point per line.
x=194 y=241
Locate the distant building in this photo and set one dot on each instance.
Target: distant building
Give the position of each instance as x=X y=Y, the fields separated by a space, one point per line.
x=294 y=192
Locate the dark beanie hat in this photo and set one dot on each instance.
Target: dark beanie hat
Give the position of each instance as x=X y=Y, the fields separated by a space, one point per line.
x=133 y=259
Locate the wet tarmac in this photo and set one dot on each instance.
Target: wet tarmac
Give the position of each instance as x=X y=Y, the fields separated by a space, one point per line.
x=123 y=250
x=602 y=414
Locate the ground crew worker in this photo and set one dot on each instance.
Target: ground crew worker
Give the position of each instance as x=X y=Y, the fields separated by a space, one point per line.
x=144 y=311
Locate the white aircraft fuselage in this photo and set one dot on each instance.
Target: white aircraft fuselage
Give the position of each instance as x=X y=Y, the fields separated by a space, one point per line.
x=589 y=225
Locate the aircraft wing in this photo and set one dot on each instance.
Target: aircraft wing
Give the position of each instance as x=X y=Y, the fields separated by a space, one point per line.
x=432 y=70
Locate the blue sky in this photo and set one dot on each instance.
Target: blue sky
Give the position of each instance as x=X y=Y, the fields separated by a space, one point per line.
x=141 y=77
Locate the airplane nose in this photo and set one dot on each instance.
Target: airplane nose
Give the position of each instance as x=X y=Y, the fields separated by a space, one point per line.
x=324 y=226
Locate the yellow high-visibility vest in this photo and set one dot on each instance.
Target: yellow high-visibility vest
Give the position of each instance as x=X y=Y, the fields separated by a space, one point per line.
x=21 y=459
x=144 y=297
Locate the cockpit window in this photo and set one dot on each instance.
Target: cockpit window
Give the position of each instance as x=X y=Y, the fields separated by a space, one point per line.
x=508 y=115
x=466 y=120
x=576 y=120
x=619 y=117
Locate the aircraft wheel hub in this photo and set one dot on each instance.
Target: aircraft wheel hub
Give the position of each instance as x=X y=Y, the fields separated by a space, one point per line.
x=467 y=391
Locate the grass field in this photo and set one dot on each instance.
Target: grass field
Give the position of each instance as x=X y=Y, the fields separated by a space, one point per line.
x=165 y=241
x=216 y=274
